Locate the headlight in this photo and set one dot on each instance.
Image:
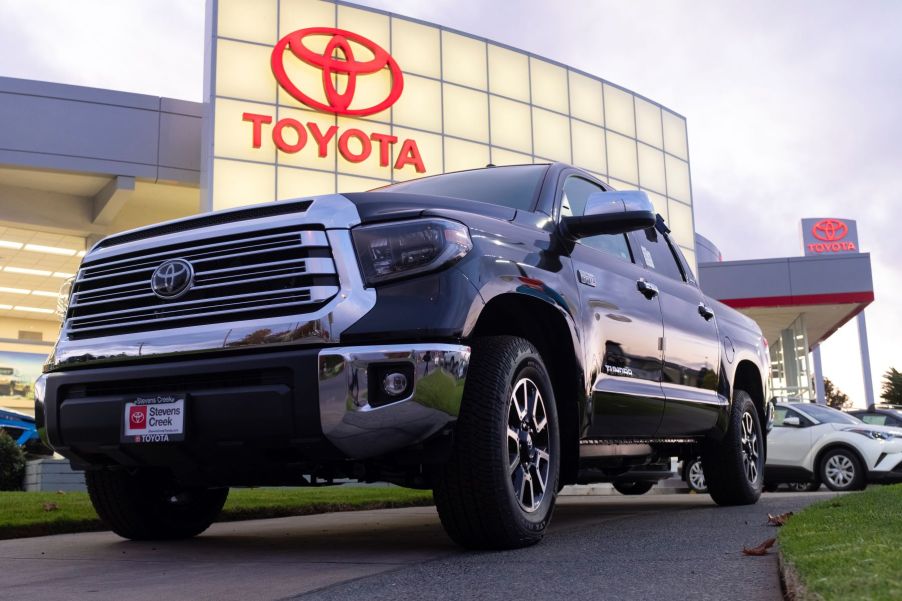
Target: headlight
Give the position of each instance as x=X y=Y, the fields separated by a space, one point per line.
x=872 y=434
x=403 y=248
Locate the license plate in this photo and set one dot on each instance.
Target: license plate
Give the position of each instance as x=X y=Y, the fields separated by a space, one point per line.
x=159 y=418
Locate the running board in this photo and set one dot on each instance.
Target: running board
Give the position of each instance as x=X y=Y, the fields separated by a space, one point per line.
x=637 y=447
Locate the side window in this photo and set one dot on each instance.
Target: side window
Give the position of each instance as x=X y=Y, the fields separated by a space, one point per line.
x=657 y=254
x=875 y=419
x=573 y=202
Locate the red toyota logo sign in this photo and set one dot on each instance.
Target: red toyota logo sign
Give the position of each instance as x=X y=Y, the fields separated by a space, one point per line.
x=137 y=417
x=830 y=230
x=337 y=59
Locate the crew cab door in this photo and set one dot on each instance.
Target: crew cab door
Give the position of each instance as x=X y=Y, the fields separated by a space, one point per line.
x=622 y=328
x=691 y=344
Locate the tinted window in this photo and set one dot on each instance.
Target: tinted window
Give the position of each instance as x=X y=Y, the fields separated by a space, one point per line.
x=874 y=419
x=514 y=187
x=781 y=413
x=573 y=202
x=826 y=415
x=656 y=252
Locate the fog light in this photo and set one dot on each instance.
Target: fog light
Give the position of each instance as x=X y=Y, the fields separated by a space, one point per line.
x=395 y=383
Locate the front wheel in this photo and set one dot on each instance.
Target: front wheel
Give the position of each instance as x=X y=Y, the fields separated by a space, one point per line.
x=734 y=465
x=633 y=488
x=149 y=505
x=498 y=489
x=841 y=470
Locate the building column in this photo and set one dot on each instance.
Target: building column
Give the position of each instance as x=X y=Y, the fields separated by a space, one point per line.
x=865 y=360
x=820 y=393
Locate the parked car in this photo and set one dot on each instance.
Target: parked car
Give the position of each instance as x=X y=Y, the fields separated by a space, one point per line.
x=816 y=444
x=491 y=334
x=12 y=383
x=879 y=416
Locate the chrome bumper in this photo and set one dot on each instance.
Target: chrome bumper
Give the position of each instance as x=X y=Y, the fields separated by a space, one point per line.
x=361 y=430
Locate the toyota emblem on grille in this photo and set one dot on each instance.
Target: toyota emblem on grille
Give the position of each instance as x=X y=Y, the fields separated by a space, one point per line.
x=172 y=279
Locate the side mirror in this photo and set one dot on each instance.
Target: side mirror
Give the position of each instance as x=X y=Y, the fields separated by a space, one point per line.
x=792 y=422
x=610 y=213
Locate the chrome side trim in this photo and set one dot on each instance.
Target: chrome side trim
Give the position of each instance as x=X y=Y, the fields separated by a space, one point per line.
x=362 y=431
x=323 y=326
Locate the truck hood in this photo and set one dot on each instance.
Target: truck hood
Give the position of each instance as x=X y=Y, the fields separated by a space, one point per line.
x=383 y=206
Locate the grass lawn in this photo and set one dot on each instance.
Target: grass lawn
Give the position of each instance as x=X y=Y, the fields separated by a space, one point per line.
x=41 y=513
x=849 y=547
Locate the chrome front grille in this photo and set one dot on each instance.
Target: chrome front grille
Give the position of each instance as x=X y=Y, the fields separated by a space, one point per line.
x=265 y=273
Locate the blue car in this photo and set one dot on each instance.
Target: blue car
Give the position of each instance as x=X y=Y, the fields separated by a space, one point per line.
x=19 y=426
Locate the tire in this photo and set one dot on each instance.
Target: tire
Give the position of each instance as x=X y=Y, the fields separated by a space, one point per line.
x=498 y=441
x=734 y=465
x=841 y=470
x=147 y=505
x=633 y=488
x=694 y=476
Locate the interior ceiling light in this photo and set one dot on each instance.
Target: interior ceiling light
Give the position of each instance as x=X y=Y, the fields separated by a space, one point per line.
x=26 y=271
x=53 y=250
x=42 y=293
x=63 y=274
x=31 y=309
x=15 y=290
x=8 y=244
x=6 y=307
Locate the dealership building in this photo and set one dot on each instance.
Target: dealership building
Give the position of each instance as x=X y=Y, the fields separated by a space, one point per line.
x=308 y=97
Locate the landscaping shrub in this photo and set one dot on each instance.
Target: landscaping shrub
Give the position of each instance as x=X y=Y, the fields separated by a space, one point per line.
x=12 y=463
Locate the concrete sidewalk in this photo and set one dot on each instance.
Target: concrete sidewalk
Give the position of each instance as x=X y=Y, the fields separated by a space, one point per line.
x=661 y=546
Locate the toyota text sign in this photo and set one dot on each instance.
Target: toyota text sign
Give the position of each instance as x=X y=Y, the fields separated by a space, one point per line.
x=829 y=236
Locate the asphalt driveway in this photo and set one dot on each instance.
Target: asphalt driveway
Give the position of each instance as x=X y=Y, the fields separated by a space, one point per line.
x=657 y=546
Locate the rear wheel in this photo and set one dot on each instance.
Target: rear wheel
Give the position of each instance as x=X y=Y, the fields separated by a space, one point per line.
x=149 y=505
x=633 y=488
x=498 y=489
x=841 y=470
x=734 y=465
x=695 y=476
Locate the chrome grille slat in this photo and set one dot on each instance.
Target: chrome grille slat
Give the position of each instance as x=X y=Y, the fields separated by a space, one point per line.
x=194 y=261
x=176 y=304
x=308 y=239
x=156 y=320
x=302 y=297
x=285 y=271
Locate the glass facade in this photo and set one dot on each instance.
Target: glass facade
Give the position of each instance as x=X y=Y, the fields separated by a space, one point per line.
x=466 y=102
x=790 y=370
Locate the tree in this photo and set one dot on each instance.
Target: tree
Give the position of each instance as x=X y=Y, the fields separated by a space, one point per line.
x=836 y=398
x=892 y=387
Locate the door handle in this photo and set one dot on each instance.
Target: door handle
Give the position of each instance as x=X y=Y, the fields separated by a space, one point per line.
x=705 y=311
x=648 y=289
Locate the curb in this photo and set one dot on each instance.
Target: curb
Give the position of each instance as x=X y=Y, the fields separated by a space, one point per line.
x=791 y=581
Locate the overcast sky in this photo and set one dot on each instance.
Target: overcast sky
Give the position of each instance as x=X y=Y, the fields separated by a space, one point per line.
x=793 y=107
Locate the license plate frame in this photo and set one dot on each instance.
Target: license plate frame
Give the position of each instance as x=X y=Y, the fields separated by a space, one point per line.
x=156 y=418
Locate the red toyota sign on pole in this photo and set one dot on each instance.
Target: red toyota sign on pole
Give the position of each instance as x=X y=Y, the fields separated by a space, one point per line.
x=828 y=236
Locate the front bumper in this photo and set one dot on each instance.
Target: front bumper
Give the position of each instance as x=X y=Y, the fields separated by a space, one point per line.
x=254 y=412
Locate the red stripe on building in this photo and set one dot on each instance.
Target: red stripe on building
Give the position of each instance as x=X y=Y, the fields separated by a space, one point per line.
x=836 y=298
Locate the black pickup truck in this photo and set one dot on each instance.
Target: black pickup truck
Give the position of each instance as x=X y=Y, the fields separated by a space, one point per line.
x=491 y=334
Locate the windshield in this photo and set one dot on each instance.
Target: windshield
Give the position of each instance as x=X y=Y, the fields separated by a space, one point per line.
x=514 y=187
x=829 y=416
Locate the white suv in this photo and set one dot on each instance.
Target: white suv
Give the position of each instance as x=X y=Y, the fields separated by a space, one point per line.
x=814 y=443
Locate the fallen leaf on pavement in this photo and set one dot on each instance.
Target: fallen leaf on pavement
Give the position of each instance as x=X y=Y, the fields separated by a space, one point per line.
x=778 y=520
x=760 y=549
